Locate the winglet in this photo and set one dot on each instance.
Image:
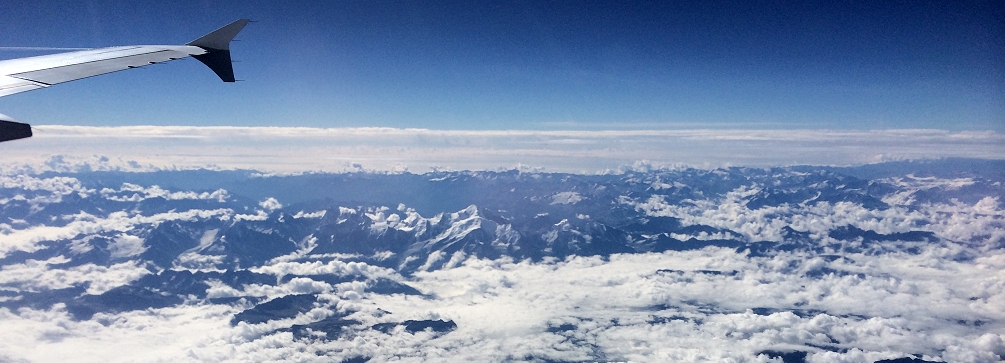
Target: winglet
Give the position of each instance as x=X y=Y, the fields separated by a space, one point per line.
x=220 y=38
x=10 y=130
x=217 y=46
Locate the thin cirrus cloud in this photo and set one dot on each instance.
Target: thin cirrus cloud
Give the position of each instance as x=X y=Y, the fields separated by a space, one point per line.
x=300 y=149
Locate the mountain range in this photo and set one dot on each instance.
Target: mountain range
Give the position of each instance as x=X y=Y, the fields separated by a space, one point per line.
x=297 y=255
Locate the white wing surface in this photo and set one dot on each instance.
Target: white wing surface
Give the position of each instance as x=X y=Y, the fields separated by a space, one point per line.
x=26 y=74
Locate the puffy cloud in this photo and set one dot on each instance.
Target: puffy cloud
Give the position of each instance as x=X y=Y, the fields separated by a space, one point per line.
x=983 y=222
x=270 y=204
x=85 y=224
x=914 y=182
x=318 y=214
x=137 y=193
x=144 y=335
x=566 y=198
x=57 y=185
x=126 y=246
x=710 y=304
x=297 y=285
x=334 y=267
x=45 y=190
x=34 y=275
x=258 y=216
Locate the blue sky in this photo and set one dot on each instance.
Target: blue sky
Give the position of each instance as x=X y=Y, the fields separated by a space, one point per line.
x=533 y=65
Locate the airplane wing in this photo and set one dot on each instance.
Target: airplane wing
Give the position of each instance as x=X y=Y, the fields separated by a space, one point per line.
x=26 y=74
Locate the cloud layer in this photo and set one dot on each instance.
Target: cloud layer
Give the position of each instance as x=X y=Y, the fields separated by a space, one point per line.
x=297 y=149
x=711 y=304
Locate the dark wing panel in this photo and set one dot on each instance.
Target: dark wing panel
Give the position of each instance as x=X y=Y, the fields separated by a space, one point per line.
x=10 y=130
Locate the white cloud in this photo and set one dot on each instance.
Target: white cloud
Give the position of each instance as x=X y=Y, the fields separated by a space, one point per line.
x=318 y=214
x=334 y=267
x=193 y=259
x=299 y=285
x=580 y=308
x=34 y=275
x=151 y=335
x=286 y=150
x=56 y=185
x=126 y=246
x=82 y=223
x=137 y=193
x=432 y=259
x=984 y=221
x=505 y=304
x=703 y=236
x=566 y=198
x=48 y=190
x=270 y=204
x=258 y=216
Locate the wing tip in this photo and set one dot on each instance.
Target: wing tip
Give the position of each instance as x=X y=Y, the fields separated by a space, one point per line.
x=217 y=46
x=220 y=39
